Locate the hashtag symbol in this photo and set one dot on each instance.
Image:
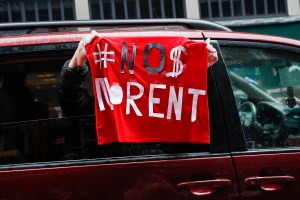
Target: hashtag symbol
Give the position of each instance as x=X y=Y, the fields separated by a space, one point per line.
x=177 y=64
x=105 y=56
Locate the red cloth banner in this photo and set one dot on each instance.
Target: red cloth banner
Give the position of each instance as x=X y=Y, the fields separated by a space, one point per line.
x=150 y=89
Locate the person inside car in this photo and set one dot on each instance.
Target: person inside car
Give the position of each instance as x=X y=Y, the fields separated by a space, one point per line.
x=76 y=101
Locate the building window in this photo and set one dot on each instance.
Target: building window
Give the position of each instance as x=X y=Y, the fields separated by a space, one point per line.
x=136 y=9
x=34 y=10
x=224 y=9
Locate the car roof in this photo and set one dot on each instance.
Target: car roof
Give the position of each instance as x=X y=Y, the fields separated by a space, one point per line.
x=53 y=38
x=30 y=33
x=15 y=34
x=251 y=37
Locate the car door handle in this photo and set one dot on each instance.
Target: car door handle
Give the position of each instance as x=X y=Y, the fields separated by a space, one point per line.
x=269 y=183
x=204 y=188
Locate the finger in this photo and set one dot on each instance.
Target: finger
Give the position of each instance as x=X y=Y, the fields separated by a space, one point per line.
x=89 y=38
x=207 y=41
x=212 y=58
x=95 y=33
x=210 y=48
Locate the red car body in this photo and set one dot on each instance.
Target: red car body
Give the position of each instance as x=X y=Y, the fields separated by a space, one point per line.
x=228 y=170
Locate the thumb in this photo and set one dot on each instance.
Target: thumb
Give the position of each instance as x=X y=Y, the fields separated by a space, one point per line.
x=89 y=38
x=209 y=47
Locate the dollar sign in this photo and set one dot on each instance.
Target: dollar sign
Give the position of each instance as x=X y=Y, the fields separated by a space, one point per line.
x=177 y=64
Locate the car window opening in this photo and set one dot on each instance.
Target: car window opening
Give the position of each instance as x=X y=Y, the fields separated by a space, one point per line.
x=34 y=129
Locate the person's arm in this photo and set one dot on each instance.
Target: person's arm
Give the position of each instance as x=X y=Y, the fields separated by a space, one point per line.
x=79 y=58
x=74 y=99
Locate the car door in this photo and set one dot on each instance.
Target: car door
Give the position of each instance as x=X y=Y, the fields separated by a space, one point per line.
x=265 y=81
x=57 y=157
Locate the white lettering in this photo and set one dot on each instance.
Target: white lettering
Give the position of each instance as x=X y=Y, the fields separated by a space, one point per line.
x=103 y=56
x=130 y=99
x=103 y=83
x=195 y=93
x=115 y=94
x=175 y=102
x=153 y=100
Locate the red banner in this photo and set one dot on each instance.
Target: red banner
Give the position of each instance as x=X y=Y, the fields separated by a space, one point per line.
x=150 y=89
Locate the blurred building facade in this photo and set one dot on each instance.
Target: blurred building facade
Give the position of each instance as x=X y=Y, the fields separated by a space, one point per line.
x=279 y=17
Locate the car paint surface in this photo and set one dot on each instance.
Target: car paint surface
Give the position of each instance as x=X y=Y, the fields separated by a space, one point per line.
x=274 y=166
x=132 y=180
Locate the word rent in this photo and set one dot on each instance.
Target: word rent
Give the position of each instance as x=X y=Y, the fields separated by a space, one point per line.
x=114 y=94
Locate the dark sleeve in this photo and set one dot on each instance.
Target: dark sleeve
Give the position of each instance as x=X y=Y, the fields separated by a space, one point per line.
x=74 y=99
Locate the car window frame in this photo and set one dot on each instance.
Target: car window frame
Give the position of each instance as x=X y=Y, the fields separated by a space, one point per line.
x=219 y=146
